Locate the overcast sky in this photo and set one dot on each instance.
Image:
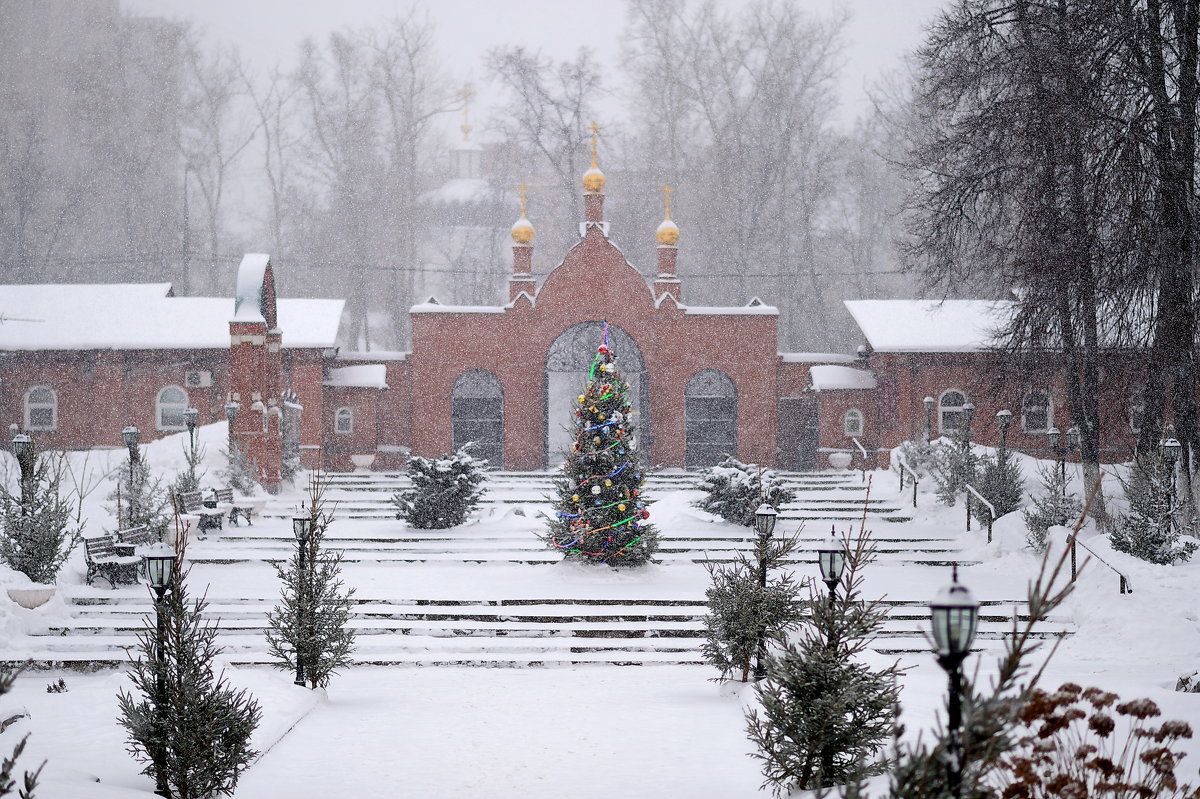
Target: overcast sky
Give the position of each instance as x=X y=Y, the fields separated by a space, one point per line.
x=267 y=31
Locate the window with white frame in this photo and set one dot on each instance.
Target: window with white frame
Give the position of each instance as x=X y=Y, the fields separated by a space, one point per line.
x=951 y=416
x=169 y=408
x=1036 y=415
x=343 y=421
x=41 y=408
x=852 y=423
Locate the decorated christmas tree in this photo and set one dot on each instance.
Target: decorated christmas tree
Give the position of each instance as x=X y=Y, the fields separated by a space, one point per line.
x=600 y=512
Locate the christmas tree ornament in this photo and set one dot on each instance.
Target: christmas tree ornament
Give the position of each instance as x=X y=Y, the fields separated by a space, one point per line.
x=595 y=489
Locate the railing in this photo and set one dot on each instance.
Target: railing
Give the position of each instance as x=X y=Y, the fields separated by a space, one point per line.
x=991 y=509
x=905 y=468
x=863 y=451
x=1125 y=584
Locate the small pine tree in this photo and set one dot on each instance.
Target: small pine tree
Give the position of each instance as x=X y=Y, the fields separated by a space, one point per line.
x=184 y=721
x=38 y=533
x=1000 y=483
x=189 y=479
x=289 y=430
x=742 y=612
x=1053 y=508
x=310 y=623
x=953 y=467
x=826 y=716
x=920 y=456
x=600 y=511
x=734 y=490
x=444 y=490
x=139 y=498
x=1155 y=524
x=8 y=765
x=239 y=471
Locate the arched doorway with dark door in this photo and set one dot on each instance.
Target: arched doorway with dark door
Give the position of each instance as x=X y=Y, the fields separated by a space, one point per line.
x=710 y=419
x=567 y=363
x=477 y=415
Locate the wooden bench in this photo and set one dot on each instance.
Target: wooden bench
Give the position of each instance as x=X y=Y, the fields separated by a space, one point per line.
x=191 y=503
x=103 y=561
x=237 y=507
x=138 y=536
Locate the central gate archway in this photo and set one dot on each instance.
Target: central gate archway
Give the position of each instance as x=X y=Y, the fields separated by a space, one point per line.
x=567 y=363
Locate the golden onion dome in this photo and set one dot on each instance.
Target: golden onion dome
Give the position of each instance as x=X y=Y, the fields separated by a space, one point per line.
x=667 y=233
x=593 y=179
x=522 y=231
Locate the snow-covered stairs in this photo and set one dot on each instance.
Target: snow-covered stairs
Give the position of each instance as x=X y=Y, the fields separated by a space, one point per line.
x=503 y=632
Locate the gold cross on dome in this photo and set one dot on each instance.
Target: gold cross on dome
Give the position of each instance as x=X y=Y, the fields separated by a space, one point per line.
x=595 y=129
x=666 y=190
x=521 y=189
x=467 y=94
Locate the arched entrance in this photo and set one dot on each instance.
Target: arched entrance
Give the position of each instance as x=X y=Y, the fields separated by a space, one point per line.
x=567 y=363
x=477 y=415
x=710 y=419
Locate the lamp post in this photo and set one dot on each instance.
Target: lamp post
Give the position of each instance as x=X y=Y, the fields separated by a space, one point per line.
x=954 y=613
x=928 y=419
x=190 y=417
x=968 y=410
x=1170 y=449
x=130 y=436
x=1003 y=421
x=22 y=450
x=764 y=524
x=160 y=572
x=1061 y=448
x=831 y=558
x=300 y=527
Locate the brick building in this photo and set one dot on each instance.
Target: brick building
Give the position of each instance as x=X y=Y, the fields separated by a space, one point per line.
x=79 y=363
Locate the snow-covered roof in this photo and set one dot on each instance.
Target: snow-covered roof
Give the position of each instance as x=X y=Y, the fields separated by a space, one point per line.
x=371 y=355
x=816 y=357
x=458 y=190
x=128 y=316
x=247 y=303
x=832 y=378
x=365 y=375
x=929 y=325
x=732 y=310
x=432 y=306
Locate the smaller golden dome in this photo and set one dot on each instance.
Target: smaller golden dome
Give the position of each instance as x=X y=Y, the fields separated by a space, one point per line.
x=593 y=179
x=667 y=233
x=522 y=231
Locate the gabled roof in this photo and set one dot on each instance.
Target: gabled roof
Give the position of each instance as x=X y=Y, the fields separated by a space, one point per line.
x=930 y=325
x=129 y=316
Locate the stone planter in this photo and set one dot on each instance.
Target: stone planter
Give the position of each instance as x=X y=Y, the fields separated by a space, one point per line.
x=31 y=596
x=840 y=460
x=362 y=463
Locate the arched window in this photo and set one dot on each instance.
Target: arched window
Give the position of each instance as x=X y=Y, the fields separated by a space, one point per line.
x=41 y=408
x=169 y=407
x=1036 y=412
x=709 y=419
x=852 y=423
x=1137 y=409
x=343 y=421
x=477 y=415
x=951 y=416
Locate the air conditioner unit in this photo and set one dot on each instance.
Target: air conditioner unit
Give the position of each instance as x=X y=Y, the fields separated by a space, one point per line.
x=197 y=378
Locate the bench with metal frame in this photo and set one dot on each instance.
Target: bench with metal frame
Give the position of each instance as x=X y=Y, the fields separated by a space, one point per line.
x=237 y=508
x=192 y=503
x=103 y=561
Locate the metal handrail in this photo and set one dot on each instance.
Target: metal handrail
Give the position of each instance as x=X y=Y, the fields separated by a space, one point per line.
x=862 y=450
x=904 y=467
x=991 y=509
x=1126 y=585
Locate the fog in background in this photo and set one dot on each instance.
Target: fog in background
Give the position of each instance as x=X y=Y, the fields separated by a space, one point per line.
x=158 y=140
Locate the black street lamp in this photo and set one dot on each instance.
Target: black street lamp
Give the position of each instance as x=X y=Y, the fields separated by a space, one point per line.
x=832 y=560
x=1170 y=449
x=300 y=528
x=159 y=565
x=1060 y=449
x=954 y=613
x=130 y=436
x=928 y=419
x=1004 y=421
x=190 y=417
x=22 y=450
x=764 y=524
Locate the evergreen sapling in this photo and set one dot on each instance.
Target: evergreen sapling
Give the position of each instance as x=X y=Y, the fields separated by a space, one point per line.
x=1157 y=528
x=600 y=511
x=999 y=481
x=1054 y=507
x=184 y=721
x=188 y=480
x=734 y=490
x=38 y=533
x=8 y=765
x=444 y=490
x=311 y=622
x=139 y=499
x=239 y=472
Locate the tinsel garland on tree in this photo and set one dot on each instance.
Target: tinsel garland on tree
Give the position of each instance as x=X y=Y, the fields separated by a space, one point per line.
x=600 y=511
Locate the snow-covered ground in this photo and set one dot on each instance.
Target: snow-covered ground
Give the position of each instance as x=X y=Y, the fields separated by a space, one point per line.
x=586 y=731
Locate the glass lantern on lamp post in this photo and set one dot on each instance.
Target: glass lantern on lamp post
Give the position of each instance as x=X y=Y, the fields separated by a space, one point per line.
x=22 y=450
x=954 y=613
x=1004 y=422
x=831 y=558
x=190 y=417
x=764 y=524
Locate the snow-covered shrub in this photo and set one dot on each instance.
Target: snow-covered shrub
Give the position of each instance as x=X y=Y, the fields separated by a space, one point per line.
x=37 y=534
x=826 y=715
x=444 y=490
x=197 y=738
x=742 y=613
x=953 y=467
x=239 y=471
x=188 y=480
x=734 y=490
x=921 y=456
x=289 y=431
x=999 y=480
x=1054 y=507
x=311 y=622
x=1157 y=528
x=140 y=500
